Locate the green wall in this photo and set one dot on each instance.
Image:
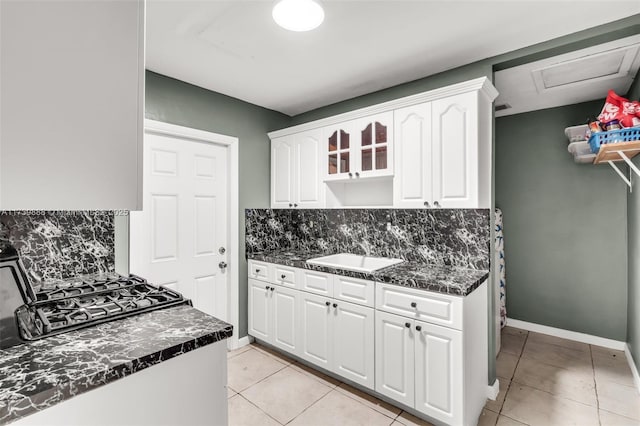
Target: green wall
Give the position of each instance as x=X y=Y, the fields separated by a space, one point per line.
x=564 y=226
x=633 y=241
x=177 y=102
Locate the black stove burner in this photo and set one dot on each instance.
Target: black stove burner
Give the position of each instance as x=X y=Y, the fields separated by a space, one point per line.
x=66 y=307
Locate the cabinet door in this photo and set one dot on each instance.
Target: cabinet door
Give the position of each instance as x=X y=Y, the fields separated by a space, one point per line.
x=374 y=146
x=412 y=184
x=353 y=349
x=72 y=105
x=337 y=148
x=455 y=151
x=438 y=380
x=316 y=333
x=282 y=170
x=394 y=357
x=259 y=310
x=307 y=179
x=284 y=307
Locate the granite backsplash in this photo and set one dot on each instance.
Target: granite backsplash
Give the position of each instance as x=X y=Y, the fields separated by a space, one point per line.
x=58 y=245
x=456 y=237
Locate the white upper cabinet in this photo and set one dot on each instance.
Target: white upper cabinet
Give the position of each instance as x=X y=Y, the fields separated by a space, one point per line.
x=412 y=184
x=72 y=105
x=455 y=152
x=359 y=149
x=428 y=150
x=282 y=166
x=308 y=182
x=338 y=151
x=295 y=173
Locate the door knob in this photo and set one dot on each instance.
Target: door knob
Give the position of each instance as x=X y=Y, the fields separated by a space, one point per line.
x=222 y=250
x=406 y=324
x=414 y=304
x=426 y=204
x=357 y=174
x=436 y=204
x=418 y=327
x=350 y=174
x=335 y=305
x=290 y=205
x=283 y=276
x=327 y=303
x=222 y=265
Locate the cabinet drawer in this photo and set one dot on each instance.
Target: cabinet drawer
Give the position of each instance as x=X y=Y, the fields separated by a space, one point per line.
x=285 y=276
x=259 y=270
x=317 y=282
x=354 y=290
x=420 y=304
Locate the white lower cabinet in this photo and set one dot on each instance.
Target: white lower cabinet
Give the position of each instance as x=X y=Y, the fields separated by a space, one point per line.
x=438 y=372
x=316 y=329
x=425 y=350
x=338 y=336
x=273 y=315
x=259 y=307
x=418 y=364
x=395 y=357
x=353 y=348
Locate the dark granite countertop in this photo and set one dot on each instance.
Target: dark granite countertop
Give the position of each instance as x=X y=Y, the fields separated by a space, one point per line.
x=442 y=279
x=37 y=375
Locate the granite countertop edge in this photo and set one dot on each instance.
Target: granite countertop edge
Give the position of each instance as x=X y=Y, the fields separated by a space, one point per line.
x=55 y=392
x=452 y=280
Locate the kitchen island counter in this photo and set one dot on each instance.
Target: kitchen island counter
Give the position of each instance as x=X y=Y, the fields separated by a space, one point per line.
x=37 y=375
x=452 y=280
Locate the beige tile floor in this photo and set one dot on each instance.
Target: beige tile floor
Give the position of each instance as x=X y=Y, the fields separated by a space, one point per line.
x=544 y=380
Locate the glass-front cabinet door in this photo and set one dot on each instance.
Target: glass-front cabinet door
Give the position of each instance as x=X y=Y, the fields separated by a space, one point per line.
x=338 y=142
x=375 y=147
x=359 y=148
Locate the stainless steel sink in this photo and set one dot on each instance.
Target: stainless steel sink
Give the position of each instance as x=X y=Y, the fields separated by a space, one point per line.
x=354 y=262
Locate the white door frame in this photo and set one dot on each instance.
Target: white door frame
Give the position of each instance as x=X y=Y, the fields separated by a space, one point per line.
x=162 y=128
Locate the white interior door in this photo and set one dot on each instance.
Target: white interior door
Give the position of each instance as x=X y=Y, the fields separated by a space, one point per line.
x=176 y=239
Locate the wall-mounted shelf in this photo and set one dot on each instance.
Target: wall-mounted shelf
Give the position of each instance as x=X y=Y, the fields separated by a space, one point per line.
x=622 y=151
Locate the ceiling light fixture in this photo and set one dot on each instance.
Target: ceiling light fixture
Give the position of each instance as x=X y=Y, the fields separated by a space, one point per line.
x=298 y=15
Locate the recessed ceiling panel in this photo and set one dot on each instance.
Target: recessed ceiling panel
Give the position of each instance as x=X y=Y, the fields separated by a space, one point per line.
x=580 y=76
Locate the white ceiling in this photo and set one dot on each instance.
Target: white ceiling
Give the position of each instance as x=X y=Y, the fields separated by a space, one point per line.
x=578 y=76
x=235 y=48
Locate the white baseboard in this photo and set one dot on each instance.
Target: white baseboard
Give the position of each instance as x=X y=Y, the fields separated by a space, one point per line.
x=493 y=390
x=569 y=335
x=244 y=341
x=632 y=365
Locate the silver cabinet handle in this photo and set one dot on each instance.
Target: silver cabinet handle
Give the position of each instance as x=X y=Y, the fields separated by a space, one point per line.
x=426 y=204
x=414 y=304
x=436 y=204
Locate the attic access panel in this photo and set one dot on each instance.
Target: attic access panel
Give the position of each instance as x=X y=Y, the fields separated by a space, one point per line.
x=579 y=76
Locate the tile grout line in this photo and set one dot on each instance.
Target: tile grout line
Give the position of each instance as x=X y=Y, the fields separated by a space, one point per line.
x=265 y=413
x=264 y=378
x=513 y=375
x=311 y=405
x=371 y=408
x=595 y=384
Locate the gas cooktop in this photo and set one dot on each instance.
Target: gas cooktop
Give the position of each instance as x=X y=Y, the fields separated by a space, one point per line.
x=65 y=308
x=35 y=312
